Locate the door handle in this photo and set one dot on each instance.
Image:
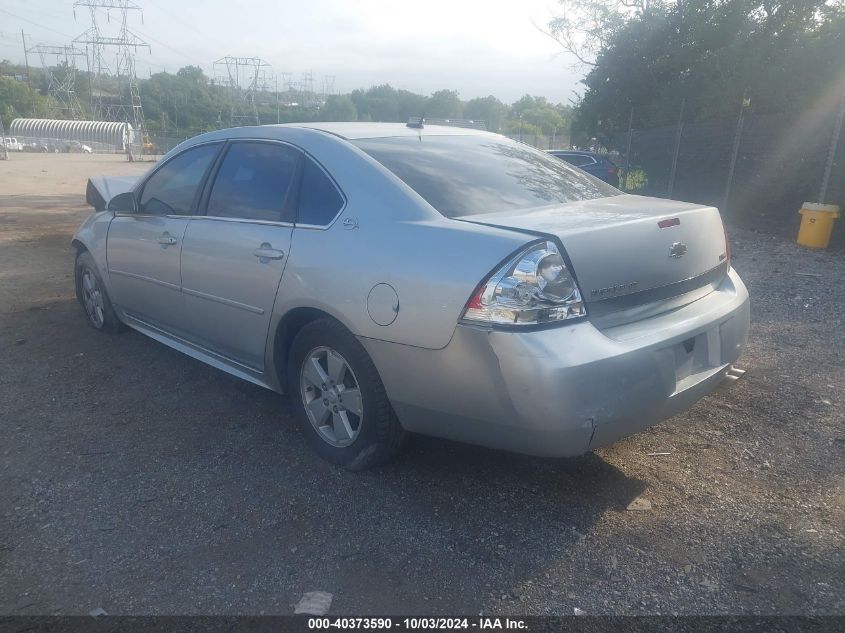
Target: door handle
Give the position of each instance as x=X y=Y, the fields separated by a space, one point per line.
x=166 y=239
x=266 y=252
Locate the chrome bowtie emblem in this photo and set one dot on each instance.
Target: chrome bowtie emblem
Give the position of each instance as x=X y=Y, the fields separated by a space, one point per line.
x=678 y=249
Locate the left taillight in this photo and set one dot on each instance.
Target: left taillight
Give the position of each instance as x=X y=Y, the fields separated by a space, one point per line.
x=533 y=287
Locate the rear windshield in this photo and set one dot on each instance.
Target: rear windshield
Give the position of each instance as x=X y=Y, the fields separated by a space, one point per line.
x=473 y=174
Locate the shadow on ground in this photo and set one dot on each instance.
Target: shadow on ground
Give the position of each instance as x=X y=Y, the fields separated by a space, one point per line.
x=140 y=480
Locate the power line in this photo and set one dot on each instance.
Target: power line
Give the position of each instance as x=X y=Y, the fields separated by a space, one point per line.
x=184 y=22
x=39 y=25
x=167 y=46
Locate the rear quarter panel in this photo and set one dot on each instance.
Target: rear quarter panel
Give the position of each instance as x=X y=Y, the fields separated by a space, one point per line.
x=433 y=268
x=432 y=263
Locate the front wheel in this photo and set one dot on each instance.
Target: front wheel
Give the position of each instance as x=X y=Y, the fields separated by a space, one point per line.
x=92 y=295
x=340 y=399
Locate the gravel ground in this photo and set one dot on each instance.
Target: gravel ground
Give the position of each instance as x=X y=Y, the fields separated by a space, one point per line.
x=140 y=481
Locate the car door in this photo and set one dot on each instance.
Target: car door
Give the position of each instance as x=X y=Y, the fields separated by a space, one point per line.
x=234 y=255
x=143 y=246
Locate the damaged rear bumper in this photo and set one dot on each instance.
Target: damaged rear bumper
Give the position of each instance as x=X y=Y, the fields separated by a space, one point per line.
x=564 y=391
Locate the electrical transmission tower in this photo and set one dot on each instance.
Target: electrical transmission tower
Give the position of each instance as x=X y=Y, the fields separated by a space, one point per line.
x=113 y=105
x=328 y=86
x=307 y=83
x=61 y=80
x=244 y=77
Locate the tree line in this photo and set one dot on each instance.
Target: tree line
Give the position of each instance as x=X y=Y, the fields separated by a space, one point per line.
x=189 y=102
x=726 y=102
x=644 y=57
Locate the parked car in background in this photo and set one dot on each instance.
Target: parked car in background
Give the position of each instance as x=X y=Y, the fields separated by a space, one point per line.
x=12 y=144
x=42 y=146
x=49 y=146
x=598 y=165
x=75 y=147
x=444 y=281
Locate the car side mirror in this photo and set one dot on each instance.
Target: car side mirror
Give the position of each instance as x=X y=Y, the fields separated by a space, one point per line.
x=123 y=203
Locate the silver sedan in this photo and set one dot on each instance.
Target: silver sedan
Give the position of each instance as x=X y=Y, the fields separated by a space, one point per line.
x=401 y=279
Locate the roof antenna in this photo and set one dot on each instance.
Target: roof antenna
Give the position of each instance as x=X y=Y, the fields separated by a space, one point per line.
x=418 y=123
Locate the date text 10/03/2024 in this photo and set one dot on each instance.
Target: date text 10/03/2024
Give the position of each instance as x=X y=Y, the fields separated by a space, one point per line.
x=479 y=623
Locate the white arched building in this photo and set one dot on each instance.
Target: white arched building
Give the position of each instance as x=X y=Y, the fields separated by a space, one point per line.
x=103 y=136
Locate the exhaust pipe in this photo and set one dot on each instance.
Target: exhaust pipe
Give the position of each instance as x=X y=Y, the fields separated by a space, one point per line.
x=734 y=373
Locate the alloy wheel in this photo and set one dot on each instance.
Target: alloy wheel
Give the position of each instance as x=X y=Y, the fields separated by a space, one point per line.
x=331 y=395
x=92 y=298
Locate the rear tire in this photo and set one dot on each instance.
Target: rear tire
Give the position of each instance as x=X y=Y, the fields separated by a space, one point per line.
x=93 y=297
x=325 y=362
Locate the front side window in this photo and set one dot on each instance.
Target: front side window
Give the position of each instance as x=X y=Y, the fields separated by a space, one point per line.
x=473 y=174
x=172 y=188
x=319 y=199
x=253 y=182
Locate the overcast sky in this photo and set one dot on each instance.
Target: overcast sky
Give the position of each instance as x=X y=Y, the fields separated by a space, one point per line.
x=477 y=47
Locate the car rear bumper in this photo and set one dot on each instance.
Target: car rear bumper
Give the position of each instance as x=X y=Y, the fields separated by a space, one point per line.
x=564 y=391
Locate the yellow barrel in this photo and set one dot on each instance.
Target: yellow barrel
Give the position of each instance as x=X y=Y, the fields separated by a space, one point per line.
x=817 y=224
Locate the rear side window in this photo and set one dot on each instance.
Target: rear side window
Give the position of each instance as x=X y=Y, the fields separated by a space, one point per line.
x=579 y=160
x=319 y=199
x=253 y=182
x=171 y=189
x=472 y=174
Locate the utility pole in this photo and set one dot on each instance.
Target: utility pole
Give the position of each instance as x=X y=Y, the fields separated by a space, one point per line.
x=678 y=134
x=4 y=152
x=746 y=102
x=628 y=148
x=834 y=144
x=26 y=59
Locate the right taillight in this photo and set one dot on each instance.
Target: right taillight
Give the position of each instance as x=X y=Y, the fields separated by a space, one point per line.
x=534 y=287
x=727 y=244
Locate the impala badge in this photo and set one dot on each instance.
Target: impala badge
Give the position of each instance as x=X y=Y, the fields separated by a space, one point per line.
x=677 y=250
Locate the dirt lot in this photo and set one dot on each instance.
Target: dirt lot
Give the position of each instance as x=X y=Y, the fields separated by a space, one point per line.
x=138 y=480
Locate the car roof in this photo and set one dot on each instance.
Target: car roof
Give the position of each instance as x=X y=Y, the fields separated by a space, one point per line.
x=361 y=130
x=308 y=135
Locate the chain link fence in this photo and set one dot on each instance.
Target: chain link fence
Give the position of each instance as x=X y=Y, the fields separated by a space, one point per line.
x=542 y=141
x=758 y=169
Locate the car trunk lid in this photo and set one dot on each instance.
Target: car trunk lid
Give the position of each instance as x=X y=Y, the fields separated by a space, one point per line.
x=627 y=250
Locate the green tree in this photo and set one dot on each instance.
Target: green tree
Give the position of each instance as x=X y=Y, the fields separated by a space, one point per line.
x=547 y=117
x=444 y=104
x=17 y=99
x=409 y=104
x=379 y=103
x=488 y=109
x=649 y=55
x=185 y=102
x=338 y=108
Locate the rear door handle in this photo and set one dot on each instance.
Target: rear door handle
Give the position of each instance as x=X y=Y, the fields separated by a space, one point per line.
x=166 y=239
x=266 y=252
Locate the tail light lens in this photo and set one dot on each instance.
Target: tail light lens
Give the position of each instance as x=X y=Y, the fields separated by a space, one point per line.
x=534 y=287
